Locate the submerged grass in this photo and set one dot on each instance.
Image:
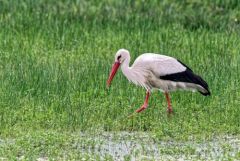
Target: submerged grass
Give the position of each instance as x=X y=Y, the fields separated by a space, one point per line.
x=55 y=57
x=51 y=145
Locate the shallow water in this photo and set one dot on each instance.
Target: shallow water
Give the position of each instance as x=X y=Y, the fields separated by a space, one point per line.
x=140 y=146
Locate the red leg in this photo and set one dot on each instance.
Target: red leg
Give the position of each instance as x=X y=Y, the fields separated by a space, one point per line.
x=170 y=110
x=145 y=105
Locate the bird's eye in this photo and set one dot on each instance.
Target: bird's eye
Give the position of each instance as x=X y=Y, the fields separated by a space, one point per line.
x=118 y=57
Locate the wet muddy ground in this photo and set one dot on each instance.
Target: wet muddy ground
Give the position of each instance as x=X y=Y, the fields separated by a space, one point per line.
x=141 y=146
x=138 y=146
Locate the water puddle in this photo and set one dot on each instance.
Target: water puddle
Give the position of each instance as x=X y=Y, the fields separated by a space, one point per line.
x=140 y=146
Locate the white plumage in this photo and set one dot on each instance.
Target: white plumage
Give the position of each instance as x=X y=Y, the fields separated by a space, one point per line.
x=158 y=64
x=151 y=67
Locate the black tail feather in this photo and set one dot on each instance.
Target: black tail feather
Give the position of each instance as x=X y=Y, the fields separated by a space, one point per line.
x=189 y=77
x=198 y=80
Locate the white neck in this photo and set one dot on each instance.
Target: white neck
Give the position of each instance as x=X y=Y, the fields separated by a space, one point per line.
x=132 y=74
x=126 y=69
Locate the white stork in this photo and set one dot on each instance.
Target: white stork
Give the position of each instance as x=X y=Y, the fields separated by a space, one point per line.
x=155 y=71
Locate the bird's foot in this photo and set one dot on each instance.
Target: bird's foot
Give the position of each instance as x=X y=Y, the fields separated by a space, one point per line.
x=169 y=110
x=143 y=107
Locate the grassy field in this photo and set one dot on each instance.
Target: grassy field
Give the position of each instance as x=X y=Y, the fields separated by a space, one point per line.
x=55 y=57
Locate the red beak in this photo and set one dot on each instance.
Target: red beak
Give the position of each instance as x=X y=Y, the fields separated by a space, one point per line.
x=113 y=72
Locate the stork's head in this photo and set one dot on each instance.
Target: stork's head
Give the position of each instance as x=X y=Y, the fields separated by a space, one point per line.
x=120 y=57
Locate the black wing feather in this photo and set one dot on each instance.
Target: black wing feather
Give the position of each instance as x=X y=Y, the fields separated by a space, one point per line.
x=187 y=76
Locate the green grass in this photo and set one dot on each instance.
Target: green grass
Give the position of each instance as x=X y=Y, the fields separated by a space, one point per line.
x=55 y=58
